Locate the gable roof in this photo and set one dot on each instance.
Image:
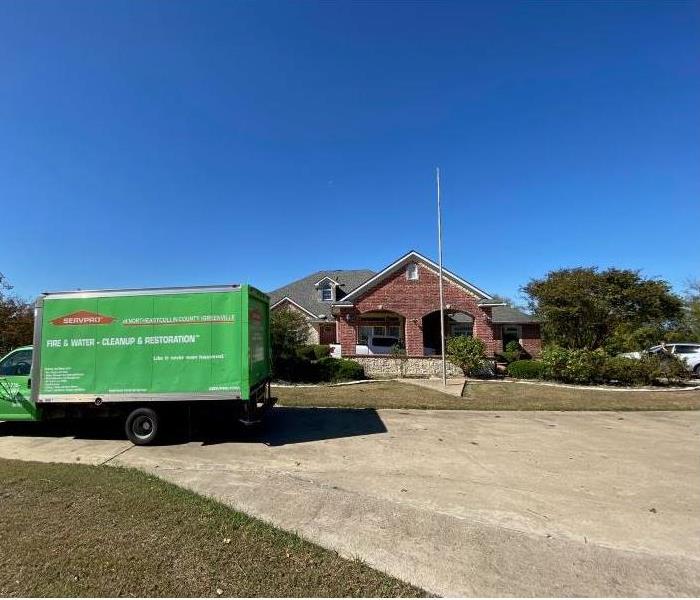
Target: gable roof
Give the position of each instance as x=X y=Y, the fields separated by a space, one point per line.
x=304 y=294
x=412 y=256
x=508 y=314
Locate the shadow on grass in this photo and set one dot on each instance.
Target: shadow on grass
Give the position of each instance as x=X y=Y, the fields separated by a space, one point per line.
x=282 y=426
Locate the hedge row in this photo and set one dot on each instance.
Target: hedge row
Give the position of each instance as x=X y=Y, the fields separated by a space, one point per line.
x=300 y=370
x=586 y=366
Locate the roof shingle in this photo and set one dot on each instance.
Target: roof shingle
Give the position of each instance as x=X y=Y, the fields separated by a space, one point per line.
x=303 y=292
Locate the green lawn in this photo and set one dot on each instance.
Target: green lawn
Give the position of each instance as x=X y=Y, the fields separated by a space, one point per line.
x=74 y=530
x=485 y=396
x=523 y=396
x=380 y=394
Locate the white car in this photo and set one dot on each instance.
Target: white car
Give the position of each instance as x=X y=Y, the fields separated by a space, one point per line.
x=689 y=353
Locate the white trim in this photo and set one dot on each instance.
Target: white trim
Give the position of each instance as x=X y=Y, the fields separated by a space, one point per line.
x=333 y=281
x=110 y=293
x=492 y=304
x=415 y=256
x=299 y=306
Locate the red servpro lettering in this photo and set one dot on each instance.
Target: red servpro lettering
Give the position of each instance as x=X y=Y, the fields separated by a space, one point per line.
x=82 y=317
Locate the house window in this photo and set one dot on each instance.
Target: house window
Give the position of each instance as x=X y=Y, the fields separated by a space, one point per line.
x=462 y=329
x=326 y=292
x=365 y=333
x=412 y=272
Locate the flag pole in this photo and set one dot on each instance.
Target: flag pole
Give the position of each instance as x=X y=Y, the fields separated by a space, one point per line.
x=442 y=305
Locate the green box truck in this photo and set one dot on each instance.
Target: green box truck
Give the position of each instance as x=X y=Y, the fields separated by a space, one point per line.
x=143 y=354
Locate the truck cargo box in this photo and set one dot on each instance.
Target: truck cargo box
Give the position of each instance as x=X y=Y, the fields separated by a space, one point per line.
x=151 y=345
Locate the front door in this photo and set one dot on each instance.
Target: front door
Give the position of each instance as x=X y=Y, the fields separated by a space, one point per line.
x=327 y=335
x=15 y=401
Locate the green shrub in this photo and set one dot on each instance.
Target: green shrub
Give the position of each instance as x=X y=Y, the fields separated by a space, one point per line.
x=300 y=370
x=339 y=369
x=467 y=353
x=321 y=351
x=288 y=332
x=514 y=351
x=586 y=366
x=295 y=369
x=665 y=367
x=306 y=353
x=313 y=351
x=626 y=371
x=572 y=366
x=526 y=369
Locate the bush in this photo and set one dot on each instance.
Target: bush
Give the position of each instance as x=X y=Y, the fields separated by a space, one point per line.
x=572 y=366
x=339 y=369
x=526 y=369
x=321 y=351
x=288 y=332
x=314 y=351
x=295 y=369
x=667 y=367
x=626 y=371
x=300 y=370
x=466 y=352
x=306 y=353
x=514 y=351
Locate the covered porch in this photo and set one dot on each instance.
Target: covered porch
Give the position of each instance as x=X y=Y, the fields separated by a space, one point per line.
x=456 y=323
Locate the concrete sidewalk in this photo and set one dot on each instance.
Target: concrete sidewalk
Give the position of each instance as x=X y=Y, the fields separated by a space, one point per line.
x=457 y=502
x=454 y=386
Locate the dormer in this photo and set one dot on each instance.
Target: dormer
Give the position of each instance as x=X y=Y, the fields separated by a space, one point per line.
x=326 y=289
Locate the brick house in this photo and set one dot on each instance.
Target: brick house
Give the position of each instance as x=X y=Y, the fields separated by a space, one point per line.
x=402 y=300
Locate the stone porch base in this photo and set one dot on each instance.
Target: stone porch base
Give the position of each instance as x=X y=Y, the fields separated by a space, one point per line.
x=409 y=366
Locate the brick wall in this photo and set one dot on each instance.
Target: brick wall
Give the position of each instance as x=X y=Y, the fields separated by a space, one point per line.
x=413 y=300
x=531 y=338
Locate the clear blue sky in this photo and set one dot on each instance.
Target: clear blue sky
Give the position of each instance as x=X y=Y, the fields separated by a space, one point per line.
x=173 y=143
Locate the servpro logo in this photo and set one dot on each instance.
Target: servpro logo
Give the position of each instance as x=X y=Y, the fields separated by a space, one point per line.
x=83 y=317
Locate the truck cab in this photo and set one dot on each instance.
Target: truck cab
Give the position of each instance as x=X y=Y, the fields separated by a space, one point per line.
x=15 y=386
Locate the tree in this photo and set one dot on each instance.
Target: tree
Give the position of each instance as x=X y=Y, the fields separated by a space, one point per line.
x=692 y=311
x=587 y=308
x=466 y=352
x=289 y=331
x=16 y=319
x=508 y=301
x=398 y=353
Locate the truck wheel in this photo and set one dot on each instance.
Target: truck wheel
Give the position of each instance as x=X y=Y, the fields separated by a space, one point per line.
x=142 y=426
x=696 y=370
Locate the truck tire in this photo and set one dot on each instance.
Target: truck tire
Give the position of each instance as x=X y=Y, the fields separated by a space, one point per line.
x=696 y=370
x=142 y=426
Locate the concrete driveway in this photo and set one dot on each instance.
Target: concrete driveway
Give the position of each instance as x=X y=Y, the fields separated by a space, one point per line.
x=460 y=503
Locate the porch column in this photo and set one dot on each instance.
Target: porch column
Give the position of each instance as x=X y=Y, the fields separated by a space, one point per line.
x=347 y=331
x=485 y=331
x=414 y=336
